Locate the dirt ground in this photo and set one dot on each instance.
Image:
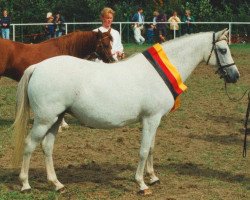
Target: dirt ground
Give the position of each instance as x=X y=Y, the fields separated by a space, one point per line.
x=198 y=151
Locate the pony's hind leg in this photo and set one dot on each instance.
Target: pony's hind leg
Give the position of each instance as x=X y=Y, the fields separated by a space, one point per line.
x=47 y=145
x=149 y=165
x=35 y=136
x=150 y=125
x=63 y=125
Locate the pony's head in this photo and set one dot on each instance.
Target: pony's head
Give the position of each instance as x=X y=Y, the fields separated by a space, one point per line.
x=103 y=48
x=220 y=56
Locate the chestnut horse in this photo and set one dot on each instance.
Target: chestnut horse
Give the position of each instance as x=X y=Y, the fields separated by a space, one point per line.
x=16 y=56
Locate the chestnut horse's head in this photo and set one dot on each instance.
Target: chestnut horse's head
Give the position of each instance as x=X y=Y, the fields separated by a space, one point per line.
x=103 y=47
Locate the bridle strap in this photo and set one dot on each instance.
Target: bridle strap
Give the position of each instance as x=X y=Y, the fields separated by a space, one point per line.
x=110 y=58
x=221 y=67
x=212 y=48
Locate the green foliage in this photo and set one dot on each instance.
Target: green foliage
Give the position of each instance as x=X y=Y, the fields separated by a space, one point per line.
x=243 y=13
x=88 y=10
x=202 y=11
x=227 y=13
x=34 y=11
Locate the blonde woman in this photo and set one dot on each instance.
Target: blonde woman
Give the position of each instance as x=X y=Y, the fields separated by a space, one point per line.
x=174 y=26
x=107 y=16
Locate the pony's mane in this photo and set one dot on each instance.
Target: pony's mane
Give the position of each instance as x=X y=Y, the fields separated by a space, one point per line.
x=75 y=43
x=172 y=41
x=186 y=36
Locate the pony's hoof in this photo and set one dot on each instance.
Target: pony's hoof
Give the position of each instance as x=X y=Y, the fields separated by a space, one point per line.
x=155 y=183
x=60 y=129
x=145 y=192
x=62 y=190
x=25 y=191
x=65 y=126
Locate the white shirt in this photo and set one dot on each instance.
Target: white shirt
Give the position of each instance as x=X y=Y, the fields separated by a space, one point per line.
x=140 y=18
x=154 y=21
x=116 y=44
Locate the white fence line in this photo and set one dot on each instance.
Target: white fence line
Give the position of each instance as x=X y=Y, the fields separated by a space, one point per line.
x=124 y=23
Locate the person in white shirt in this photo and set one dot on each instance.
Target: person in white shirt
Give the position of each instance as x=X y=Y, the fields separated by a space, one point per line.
x=155 y=14
x=138 y=18
x=137 y=34
x=107 y=16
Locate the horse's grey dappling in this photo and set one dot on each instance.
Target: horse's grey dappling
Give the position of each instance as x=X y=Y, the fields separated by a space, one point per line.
x=106 y=96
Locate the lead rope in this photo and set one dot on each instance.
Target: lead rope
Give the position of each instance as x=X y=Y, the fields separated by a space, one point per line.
x=246 y=118
x=244 y=154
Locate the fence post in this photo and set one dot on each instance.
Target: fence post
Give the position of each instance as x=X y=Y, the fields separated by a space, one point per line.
x=230 y=32
x=66 y=28
x=121 y=30
x=14 y=33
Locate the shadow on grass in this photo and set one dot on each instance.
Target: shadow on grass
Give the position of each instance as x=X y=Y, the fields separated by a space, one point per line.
x=225 y=119
x=110 y=175
x=222 y=139
x=6 y=122
x=198 y=170
x=230 y=139
x=105 y=174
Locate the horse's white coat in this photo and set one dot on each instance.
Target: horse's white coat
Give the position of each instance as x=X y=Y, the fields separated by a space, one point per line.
x=108 y=95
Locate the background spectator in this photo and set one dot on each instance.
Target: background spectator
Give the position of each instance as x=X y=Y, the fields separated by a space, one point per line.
x=174 y=26
x=107 y=16
x=188 y=27
x=50 y=29
x=161 y=27
x=5 y=23
x=137 y=34
x=150 y=34
x=139 y=18
x=59 y=25
x=155 y=15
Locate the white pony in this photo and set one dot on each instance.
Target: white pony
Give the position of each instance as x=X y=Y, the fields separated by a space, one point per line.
x=106 y=96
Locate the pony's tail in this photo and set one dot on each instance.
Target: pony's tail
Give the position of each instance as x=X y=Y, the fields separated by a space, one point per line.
x=22 y=116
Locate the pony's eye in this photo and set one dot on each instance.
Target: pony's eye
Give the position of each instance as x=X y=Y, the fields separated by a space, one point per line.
x=223 y=51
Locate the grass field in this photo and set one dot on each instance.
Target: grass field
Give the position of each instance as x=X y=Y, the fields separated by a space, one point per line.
x=198 y=153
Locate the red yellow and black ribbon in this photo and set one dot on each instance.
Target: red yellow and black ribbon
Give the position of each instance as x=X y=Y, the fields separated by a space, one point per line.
x=168 y=72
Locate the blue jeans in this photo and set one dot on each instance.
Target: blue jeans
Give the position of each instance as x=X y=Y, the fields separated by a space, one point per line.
x=58 y=33
x=6 y=33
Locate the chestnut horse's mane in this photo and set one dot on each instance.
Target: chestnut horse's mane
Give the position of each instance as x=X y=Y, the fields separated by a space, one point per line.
x=16 y=56
x=76 y=43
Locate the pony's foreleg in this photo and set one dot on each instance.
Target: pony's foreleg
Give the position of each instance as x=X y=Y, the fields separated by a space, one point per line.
x=149 y=165
x=35 y=136
x=150 y=125
x=47 y=145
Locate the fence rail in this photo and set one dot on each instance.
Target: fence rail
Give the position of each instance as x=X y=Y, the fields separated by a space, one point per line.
x=67 y=24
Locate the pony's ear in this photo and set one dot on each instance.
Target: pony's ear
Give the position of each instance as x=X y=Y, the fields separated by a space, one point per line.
x=99 y=34
x=222 y=35
x=109 y=30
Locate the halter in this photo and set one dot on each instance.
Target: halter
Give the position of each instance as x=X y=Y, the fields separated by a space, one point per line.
x=109 y=58
x=221 y=68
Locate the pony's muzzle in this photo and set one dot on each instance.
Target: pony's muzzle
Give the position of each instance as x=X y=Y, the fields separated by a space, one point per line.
x=231 y=75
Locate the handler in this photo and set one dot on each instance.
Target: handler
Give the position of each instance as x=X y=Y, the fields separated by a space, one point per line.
x=107 y=16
